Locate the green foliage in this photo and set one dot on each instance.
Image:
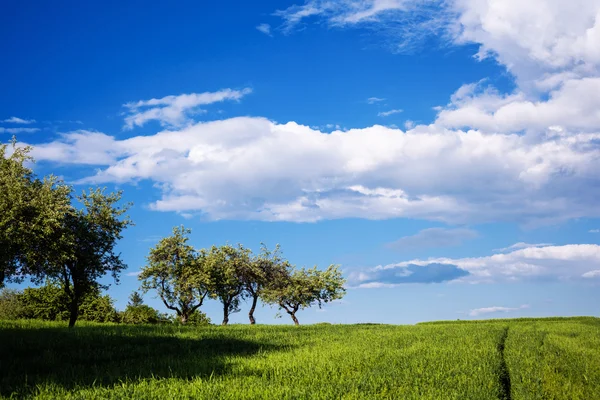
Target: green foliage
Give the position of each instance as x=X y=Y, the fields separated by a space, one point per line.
x=265 y=268
x=177 y=272
x=140 y=314
x=31 y=213
x=50 y=303
x=225 y=266
x=85 y=246
x=436 y=361
x=98 y=309
x=11 y=306
x=135 y=299
x=304 y=288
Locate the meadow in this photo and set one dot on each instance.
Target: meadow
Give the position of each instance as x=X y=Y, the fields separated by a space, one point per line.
x=556 y=358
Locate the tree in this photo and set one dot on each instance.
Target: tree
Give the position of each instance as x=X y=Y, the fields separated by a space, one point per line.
x=225 y=268
x=303 y=288
x=137 y=312
x=84 y=249
x=31 y=214
x=135 y=299
x=11 y=306
x=141 y=314
x=266 y=267
x=177 y=272
x=50 y=302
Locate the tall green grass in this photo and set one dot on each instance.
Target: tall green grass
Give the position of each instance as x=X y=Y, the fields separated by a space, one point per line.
x=437 y=361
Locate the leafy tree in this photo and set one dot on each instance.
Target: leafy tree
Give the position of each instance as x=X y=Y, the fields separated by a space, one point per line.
x=47 y=302
x=199 y=318
x=50 y=302
x=97 y=308
x=11 y=306
x=225 y=266
x=137 y=312
x=135 y=299
x=303 y=288
x=177 y=272
x=140 y=314
x=31 y=213
x=265 y=268
x=84 y=249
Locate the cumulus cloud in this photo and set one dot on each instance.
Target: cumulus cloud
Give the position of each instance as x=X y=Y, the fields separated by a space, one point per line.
x=434 y=237
x=253 y=168
x=264 y=28
x=388 y=113
x=175 y=111
x=18 y=130
x=551 y=263
x=17 y=120
x=490 y=310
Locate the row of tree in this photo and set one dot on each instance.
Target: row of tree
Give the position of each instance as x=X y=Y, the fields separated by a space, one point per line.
x=184 y=277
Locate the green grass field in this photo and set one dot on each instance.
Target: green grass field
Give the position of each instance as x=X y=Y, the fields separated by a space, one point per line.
x=501 y=359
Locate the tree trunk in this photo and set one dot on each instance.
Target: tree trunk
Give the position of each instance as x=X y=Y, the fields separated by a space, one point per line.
x=74 y=312
x=184 y=318
x=293 y=315
x=251 y=313
x=225 y=314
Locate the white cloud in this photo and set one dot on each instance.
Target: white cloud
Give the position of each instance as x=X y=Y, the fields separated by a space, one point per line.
x=252 y=168
x=592 y=274
x=490 y=310
x=522 y=245
x=408 y=21
x=175 y=111
x=594 y=230
x=264 y=28
x=134 y=273
x=17 y=120
x=568 y=262
x=18 y=130
x=434 y=237
x=373 y=100
x=388 y=113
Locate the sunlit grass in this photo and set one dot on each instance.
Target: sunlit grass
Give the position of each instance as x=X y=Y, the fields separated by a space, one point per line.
x=429 y=361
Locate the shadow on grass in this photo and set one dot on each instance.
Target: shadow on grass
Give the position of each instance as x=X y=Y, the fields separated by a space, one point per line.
x=104 y=356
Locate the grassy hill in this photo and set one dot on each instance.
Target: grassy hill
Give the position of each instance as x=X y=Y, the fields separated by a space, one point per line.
x=557 y=358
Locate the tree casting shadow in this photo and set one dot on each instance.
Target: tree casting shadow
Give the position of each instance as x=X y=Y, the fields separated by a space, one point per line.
x=93 y=356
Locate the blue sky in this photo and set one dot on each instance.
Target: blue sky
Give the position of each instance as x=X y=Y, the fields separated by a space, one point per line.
x=444 y=153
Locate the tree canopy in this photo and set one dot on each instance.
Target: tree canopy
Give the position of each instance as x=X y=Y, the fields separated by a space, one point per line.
x=31 y=214
x=178 y=273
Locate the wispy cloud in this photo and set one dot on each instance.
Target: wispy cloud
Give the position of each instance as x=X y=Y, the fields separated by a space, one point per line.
x=264 y=28
x=379 y=277
x=594 y=230
x=490 y=310
x=18 y=130
x=17 y=120
x=175 y=111
x=134 y=273
x=388 y=113
x=522 y=245
x=373 y=100
x=433 y=237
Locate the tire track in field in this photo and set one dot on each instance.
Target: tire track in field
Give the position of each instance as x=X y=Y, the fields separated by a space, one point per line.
x=503 y=374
